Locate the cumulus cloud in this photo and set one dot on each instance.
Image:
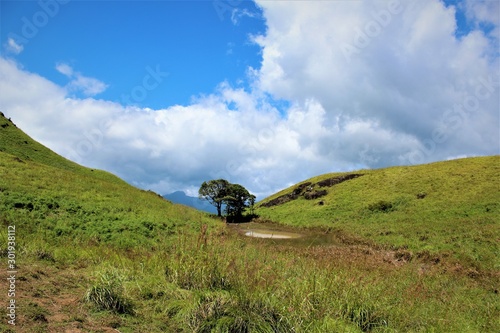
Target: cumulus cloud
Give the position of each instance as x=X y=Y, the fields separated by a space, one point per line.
x=485 y=14
x=367 y=84
x=87 y=85
x=232 y=134
x=483 y=10
x=395 y=65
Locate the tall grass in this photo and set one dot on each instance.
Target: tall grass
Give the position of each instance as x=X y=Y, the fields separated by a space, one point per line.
x=258 y=289
x=227 y=283
x=108 y=294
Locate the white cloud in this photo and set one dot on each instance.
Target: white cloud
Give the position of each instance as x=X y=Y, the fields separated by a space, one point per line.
x=238 y=13
x=410 y=93
x=485 y=14
x=170 y=149
x=404 y=71
x=13 y=47
x=64 y=69
x=483 y=10
x=87 y=85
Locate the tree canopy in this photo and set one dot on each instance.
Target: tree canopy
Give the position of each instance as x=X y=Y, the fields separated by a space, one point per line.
x=214 y=191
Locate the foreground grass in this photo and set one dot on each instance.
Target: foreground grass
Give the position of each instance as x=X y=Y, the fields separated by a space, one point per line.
x=220 y=282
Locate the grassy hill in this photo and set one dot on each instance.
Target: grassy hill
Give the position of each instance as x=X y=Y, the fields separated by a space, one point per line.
x=66 y=216
x=450 y=207
x=15 y=142
x=46 y=193
x=94 y=254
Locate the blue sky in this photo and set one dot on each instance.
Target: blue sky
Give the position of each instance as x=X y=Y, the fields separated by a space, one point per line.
x=168 y=94
x=198 y=43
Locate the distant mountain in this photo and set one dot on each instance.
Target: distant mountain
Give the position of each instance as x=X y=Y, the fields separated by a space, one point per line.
x=181 y=198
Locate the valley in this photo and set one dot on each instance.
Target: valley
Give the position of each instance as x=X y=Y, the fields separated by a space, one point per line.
x=402 y=249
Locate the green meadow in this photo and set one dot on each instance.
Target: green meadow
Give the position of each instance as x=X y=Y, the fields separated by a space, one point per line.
x=403 y=249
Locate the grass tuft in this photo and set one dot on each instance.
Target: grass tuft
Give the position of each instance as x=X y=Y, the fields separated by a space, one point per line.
x=107 y=295
x=228 y=312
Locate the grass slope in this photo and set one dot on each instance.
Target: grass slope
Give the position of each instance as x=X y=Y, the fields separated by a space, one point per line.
x=59 y=197
x=94 y=254
x=450 y=207
x=15 y=142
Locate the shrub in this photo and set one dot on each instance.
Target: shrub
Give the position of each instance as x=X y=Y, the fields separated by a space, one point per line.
x=421 y=195
x=381 y=206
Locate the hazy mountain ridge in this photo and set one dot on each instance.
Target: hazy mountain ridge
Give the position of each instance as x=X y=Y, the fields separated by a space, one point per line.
x=182 y=198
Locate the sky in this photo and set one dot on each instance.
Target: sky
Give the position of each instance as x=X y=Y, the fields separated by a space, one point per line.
x=168 y=94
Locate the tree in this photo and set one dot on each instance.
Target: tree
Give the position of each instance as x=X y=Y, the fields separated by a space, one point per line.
x=214 y=191
x=236 y=200
x=251 y=202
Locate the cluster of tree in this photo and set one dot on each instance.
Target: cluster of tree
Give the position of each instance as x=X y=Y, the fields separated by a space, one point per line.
x=221 y=193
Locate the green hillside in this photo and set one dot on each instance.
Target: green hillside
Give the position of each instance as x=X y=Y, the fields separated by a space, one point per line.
x=51 y=195
x=448 y=207
x=15 y=142
x=393 y=250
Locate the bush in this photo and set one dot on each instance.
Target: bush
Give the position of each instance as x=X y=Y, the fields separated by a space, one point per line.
x=381 y=206
x=421 y=195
